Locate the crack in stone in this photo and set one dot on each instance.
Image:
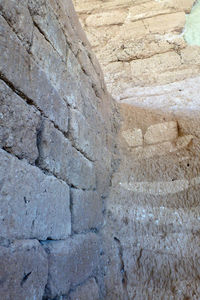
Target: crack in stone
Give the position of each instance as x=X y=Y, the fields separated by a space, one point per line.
x=122 y=269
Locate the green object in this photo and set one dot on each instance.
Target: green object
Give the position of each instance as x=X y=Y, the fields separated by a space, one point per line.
x=192 y=27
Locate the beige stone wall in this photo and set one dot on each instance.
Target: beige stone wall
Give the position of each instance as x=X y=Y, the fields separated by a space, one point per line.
x=140 y=43
x=56 y=140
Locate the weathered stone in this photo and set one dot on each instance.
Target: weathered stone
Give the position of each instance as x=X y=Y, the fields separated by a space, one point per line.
x=86 y=210
x=33 y=205
x=64 y=76
x=85 y=138
x=106 y=19
x=167 y=131
x=57 y=155
x=149 y=70
x=23 y=270
x=29 y=79
x=166 y=23
x=133 y=31
x=17 y=15
x=19 y=124
x=45 y=18
x=133 y=137
x=71 y=262
x=151 y=8
x=88 y=291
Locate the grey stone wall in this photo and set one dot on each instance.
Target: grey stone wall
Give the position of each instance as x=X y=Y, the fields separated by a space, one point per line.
x=57 y=135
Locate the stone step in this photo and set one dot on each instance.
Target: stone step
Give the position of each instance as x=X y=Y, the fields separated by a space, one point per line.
x=157 y=270
x=181 y=290
x=177 y=194
x=171 y=167
x=135 y=219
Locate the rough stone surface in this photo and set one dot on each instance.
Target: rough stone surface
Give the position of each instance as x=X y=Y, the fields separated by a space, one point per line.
x=114 y=194
x=29 y=79
x=162 y=132
x=146 y=37
x=133 y=137
x=71 y=262
x=84 y=136
x=59 y=157
x=23 y=270
x=32 y=205
x=88 y=291
x=87 y=210
x=19 y=124
x=57 y=132
x=17 y=14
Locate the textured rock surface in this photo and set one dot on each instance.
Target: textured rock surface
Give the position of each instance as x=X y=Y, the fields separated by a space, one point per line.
x=32 y=205
x=88 y=291
x=153 y=211
x=56 y=138
x=142 y=43
x=71 y=262
x=89 y=210
x=23 y=270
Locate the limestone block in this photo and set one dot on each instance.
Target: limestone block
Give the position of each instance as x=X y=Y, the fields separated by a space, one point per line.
x=106 y=18
x=71 y=262
x=33 y=205
x=154 y=8
x=161 y=132
x=137 y=29
x=23 y=270
x=151 y=69
x=133 y=137
x=57 y=155
x=29 y=79
x=45 y=18
x=64 y=76
x=88 y=291
x=85 y=137
x=86 y=210
x=166 y=23
x=19 y=123
x=17 y=15
x=86 y=64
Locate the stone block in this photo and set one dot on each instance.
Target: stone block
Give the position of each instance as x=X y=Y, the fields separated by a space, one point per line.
x=106 y=18
x=86 y=210
x=45 y=18
x=85 y=137
x=17 y=15
x=150 y=69
x=57 y=155
x=133 y=137
x=88 y=291
x=19 y=123
x=166 y=23
x=158 y=133
x=70 y=262
x=59 y=71
x=33 y=205
x=17 y=66
x=23 y=270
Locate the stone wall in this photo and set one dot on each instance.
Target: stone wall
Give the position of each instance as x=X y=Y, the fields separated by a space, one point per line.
x=141 y=43
x=57 y=135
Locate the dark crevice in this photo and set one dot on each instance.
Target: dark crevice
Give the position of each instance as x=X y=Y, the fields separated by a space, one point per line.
x=122 y=269
x=24 y=279
x=19 y=93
